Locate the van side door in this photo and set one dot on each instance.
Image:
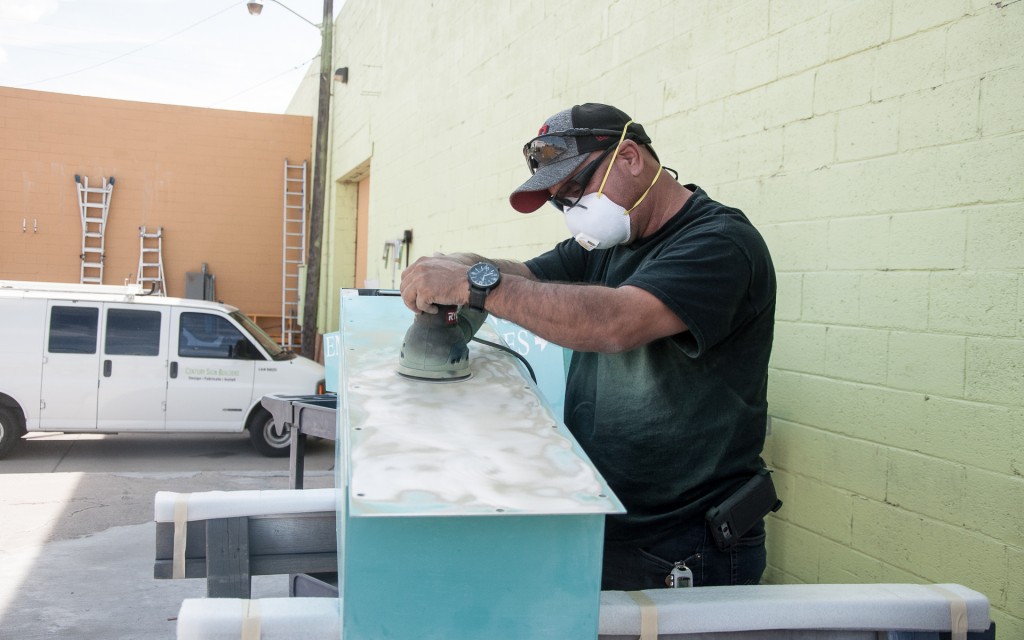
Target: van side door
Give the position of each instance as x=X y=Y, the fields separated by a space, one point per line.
x=67 y=398
x=211 y=372
x=133 y=368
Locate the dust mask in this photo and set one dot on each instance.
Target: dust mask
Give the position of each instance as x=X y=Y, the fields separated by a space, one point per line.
x=596 y=222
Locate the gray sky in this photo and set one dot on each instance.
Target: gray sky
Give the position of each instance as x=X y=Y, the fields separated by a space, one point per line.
x=203 y=53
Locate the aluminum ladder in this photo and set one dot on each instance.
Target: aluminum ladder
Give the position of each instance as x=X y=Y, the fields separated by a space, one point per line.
x=151 y=261
x=94 y=207
x=294 y=254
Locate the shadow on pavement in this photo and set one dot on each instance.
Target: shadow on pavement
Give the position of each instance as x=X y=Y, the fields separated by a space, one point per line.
x=76 y=524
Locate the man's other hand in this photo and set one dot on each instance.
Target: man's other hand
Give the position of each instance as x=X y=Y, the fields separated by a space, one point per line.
x=432 y=281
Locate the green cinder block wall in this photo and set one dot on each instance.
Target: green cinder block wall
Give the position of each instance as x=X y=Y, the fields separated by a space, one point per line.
x=879 y=147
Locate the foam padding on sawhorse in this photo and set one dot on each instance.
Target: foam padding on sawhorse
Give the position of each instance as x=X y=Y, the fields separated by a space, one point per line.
x=262 y=619
x=760 y=608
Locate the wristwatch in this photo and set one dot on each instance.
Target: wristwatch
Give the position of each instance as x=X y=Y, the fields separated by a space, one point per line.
x=483 y=277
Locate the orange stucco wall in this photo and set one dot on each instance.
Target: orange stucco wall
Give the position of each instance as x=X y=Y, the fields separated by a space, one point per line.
x=213 y=179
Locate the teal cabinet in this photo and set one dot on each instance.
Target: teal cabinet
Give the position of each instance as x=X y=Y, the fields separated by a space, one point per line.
x=467 y=510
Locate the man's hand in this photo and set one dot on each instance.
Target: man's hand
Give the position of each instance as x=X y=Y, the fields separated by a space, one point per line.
x=468 y=259
x=432 y=281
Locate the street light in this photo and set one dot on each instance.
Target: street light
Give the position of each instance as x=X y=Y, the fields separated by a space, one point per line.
x=316 y=212
x=255 y=7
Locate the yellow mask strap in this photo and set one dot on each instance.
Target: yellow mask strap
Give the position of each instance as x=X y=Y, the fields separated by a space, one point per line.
x=608 y=171
x=656 y=176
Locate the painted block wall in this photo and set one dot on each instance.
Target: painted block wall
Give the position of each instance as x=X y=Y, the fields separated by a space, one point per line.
x=212 y=178
x=879 y=147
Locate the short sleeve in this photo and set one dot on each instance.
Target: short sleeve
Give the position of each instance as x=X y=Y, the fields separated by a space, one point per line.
x=706 y=281
x=567 y=262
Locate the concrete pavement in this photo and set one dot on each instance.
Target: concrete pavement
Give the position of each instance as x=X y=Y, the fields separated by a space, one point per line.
x=77 y=533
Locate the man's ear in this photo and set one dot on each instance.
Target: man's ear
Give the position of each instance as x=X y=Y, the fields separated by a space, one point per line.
x=630 y=151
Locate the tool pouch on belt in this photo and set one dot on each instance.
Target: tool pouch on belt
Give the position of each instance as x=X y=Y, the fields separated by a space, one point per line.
x=740 y=511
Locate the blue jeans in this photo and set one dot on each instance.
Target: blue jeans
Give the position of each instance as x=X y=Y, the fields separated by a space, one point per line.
x=628 y=567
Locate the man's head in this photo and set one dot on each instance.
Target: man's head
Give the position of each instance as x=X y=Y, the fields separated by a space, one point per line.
x=564 y=143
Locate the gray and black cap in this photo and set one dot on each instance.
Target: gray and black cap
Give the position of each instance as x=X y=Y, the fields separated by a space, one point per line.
x=563 y=144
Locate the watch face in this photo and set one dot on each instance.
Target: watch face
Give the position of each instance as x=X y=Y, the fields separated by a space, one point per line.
x=484 y=275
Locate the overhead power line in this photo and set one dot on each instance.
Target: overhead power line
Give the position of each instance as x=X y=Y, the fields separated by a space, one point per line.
x=260 y=84
x=136 y=50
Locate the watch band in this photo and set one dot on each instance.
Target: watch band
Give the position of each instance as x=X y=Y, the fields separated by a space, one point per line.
x=477 y=297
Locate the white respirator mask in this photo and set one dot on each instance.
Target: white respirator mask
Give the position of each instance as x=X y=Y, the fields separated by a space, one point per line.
x=598 y=223
x=595 y=221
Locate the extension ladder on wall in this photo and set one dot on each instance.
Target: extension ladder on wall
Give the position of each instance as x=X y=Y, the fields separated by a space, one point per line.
x=294 y=242
x=93 y=205
x=151 y=260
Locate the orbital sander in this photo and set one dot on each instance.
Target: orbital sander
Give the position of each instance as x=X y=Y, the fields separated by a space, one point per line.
x=436 y=346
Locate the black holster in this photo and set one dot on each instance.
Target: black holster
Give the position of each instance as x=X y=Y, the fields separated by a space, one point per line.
x=739 y=512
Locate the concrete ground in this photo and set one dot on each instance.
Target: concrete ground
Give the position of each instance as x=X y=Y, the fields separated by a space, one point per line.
x=77 y=532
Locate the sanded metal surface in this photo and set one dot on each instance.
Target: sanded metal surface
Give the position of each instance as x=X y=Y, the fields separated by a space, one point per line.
x=483 y=446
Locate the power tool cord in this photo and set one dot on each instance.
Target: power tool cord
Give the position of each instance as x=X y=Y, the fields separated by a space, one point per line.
x=504 y=348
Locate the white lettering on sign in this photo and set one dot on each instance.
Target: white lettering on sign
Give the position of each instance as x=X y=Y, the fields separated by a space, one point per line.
x=331 y=346
x=520 y=341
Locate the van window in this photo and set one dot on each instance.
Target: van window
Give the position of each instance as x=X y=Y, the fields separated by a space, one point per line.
x=203 y=335
x=275 y=350
x=73 y=329
x=132 y=333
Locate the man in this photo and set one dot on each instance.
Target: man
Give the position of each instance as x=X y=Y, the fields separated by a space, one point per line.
x=667 y=299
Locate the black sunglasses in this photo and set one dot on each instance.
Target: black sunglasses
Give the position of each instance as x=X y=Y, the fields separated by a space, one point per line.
x=570 y=193
x=551 y=147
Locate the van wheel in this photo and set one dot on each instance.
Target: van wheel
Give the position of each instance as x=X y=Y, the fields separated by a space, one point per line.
x=267 y=438
x=11 y=430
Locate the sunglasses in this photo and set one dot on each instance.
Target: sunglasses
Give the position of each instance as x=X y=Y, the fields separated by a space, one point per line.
x=551 y=147
x=570 y=193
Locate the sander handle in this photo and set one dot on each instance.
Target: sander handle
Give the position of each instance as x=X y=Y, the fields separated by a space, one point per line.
x=470 y=321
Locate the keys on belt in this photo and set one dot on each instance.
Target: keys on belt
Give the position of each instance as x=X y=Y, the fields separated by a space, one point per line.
x=681 y=576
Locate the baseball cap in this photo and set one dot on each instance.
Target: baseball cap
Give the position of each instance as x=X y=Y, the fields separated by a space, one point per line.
x=563 y=144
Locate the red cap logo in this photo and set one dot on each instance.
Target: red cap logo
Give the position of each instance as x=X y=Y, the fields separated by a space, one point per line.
x=542 y=130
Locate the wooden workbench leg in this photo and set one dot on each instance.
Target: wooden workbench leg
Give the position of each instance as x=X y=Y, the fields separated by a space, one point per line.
x=227 y=558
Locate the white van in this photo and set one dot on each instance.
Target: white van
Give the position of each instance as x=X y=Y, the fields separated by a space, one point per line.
x=107 y=359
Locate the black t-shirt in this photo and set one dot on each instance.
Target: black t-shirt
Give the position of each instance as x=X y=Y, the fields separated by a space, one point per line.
x=678 y=424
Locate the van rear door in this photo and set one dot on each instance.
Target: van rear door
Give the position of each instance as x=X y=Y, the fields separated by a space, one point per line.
x=211 y=372
x=70 y=366
x=133 y=368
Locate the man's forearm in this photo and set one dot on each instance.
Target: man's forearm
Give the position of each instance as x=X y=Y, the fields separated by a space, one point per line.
x=583 y=317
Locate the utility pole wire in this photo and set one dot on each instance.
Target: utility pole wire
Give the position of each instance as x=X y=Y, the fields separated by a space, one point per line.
x=128 y=53
x=260 y=84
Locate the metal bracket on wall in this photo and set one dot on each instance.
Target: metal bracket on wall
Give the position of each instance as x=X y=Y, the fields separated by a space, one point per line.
x=393 y=251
